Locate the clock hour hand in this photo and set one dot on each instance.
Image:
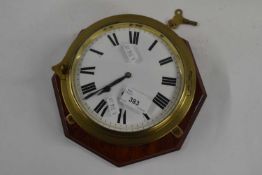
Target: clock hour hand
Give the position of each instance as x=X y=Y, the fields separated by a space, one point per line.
x=107 y=88
x=93 y=93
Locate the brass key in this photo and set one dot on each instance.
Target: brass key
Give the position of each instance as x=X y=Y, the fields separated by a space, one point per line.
x=179 y=19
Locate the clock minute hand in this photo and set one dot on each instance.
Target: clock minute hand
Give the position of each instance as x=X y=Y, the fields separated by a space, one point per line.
x=107 y=88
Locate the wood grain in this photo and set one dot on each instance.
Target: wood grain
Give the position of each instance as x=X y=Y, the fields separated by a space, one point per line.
x=124 y=155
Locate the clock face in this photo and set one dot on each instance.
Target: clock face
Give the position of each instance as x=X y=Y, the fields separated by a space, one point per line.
x=127 y=78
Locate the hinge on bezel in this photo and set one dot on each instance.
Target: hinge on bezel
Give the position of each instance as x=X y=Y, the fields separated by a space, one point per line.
x=61 y=70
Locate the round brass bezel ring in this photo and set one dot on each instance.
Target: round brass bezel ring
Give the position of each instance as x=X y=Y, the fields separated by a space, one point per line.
x=139 y=137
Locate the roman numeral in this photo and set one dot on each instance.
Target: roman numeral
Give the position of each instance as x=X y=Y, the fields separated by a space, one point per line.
x=101 y=105
x=146 y=116
x=97 y=52
x=169 y=81
x=152 y=45
x=113 y=40
x=133 y=38
x=121 y=116
x=88 y=88
x=165 y=61
x=87 y=70
x=160 y=100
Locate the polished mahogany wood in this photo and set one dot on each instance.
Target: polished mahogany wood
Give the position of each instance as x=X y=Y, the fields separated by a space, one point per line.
x=121 y=155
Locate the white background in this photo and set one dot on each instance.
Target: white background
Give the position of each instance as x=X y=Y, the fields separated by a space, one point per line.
x=227 y=135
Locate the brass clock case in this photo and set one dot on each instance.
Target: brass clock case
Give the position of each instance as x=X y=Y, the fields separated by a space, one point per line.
x=186 y=66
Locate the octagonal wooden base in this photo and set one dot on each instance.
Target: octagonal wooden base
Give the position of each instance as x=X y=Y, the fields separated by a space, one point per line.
x=124 y=155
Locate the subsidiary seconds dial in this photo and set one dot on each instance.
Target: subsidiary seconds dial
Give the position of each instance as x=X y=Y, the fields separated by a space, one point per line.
x=128 y=78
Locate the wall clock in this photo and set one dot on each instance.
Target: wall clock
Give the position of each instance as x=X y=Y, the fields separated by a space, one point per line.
x=128 y=88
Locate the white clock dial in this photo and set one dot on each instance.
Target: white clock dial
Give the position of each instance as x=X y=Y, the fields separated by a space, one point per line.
x=127 y=58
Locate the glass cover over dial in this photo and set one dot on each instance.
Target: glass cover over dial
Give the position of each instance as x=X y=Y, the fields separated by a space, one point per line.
x=127 y=78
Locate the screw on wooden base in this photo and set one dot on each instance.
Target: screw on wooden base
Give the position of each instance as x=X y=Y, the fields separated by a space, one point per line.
x=70 y=119
x=177 y=132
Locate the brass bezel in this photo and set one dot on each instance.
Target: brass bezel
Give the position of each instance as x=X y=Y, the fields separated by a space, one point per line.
x=64 y=71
